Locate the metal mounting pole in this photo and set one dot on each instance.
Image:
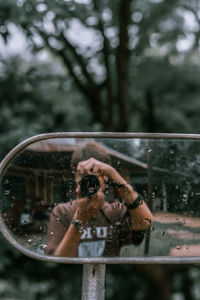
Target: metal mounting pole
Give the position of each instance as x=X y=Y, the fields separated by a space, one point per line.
x=93 y=287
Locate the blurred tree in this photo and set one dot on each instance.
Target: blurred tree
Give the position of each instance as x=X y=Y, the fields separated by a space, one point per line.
x=126 y=65
x=110 y=49
x=36 y=98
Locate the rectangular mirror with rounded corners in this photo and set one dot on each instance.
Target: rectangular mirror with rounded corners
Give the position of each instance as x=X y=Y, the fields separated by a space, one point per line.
x=104 y=196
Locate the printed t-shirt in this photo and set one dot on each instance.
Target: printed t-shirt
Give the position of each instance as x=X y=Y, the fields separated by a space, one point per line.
x=104 y=234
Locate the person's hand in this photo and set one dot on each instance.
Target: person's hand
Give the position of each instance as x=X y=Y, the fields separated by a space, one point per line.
x=88 y=206
x=96 y=167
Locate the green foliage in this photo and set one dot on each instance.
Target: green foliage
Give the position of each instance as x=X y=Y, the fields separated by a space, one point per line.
x=157 y=67
x=37 y=102
x=72 y=91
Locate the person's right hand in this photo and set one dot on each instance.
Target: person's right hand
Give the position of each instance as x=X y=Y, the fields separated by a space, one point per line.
x=88 y=206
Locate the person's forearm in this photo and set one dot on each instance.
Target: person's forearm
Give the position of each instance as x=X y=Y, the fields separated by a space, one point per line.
x=141 y=216
x=125 y=190
x=69 y=244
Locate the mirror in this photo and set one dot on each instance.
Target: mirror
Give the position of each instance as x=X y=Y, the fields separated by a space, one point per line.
x=40 y=183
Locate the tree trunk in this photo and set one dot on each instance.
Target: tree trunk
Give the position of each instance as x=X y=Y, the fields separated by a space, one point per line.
x=122 y=66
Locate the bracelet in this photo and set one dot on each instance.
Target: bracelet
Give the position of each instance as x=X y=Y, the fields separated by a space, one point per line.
x=138 y=201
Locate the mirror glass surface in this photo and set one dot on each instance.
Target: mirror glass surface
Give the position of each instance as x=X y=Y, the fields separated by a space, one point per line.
x=39 y=188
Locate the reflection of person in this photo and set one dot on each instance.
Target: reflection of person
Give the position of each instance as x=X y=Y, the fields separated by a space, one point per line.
x=90 y=226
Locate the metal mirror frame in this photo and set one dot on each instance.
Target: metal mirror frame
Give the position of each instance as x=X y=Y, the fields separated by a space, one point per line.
x=112 y=260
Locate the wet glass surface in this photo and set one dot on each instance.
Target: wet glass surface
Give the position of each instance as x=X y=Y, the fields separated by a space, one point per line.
x=38 y=197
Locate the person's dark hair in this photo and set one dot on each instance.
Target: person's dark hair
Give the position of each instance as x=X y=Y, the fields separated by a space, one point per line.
x=91 y=149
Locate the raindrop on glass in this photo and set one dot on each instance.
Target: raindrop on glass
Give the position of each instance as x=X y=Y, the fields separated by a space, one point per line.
x=7 y=192
x=171 y=151
x=29 y=241
x=148 y=221
x=42 y=247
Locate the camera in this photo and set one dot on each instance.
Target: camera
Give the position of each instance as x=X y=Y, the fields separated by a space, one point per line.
x=89 y=185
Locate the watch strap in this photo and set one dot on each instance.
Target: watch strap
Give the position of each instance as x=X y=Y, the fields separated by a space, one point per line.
x=137 y=202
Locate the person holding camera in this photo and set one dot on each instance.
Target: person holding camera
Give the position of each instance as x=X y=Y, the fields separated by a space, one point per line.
x=90 y=226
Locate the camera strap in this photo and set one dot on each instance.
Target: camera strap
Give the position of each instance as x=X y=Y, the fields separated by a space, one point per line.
x=103 y=214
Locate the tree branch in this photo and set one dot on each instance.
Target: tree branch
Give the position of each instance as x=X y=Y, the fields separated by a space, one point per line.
x=108 y=80
x=122 y=59
x=78 y=58
x=90 y=91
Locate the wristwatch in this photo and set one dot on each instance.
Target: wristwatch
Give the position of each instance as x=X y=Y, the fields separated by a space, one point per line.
x=138 y=201
x=78 y=224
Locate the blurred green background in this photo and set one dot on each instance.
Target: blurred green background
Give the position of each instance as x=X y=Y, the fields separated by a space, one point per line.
x=97 y=65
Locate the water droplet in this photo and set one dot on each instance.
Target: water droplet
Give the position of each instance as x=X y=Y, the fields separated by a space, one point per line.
x=148 y=221
x=123 y=201
x=7 y=192
x=117 y=223
x=185 y=198
x=145 y=193
x=30 y=241
x=42 y=247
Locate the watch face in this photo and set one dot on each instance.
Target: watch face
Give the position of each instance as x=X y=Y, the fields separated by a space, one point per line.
x=78 y=224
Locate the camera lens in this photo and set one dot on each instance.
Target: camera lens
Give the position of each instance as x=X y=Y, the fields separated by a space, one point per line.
x=89 y=185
